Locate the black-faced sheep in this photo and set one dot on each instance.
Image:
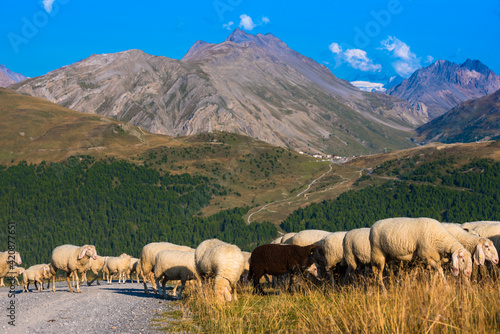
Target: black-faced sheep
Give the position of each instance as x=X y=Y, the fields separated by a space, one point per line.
x=277 y=260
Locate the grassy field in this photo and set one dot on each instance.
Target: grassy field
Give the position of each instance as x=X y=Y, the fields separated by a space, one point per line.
x=416 y=302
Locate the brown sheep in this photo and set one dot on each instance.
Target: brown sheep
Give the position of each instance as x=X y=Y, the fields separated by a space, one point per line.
x=275 y=259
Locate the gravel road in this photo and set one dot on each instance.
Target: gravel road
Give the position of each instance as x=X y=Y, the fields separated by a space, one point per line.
x=116 y=308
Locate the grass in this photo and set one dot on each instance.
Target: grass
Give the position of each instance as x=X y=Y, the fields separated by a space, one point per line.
x=416 y=302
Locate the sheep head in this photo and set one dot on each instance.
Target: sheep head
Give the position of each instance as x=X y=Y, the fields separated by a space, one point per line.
x=462 y=261
x=485 y=250
x=17 y=258
x=88 y=250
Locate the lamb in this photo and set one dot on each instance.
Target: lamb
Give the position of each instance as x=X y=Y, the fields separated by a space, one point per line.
x=404 y=239
x=71 y=259
x=307 y=237
x=117 y=265
x=280 y=259
x=357 y=250
x=7 y=260
x=175 y=265
x=148 y=256
x=223 y=261
x=36 y=274
x=13 y=273
x=481 y=248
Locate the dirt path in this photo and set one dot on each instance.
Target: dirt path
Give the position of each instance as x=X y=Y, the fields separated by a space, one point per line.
x=116 y=308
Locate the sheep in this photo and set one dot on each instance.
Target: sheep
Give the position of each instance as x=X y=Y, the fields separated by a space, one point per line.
x=404 y=239
x=12 y=274
x=481 y=247
x=280 y=259
x=36 y=273
x=7 y=260
x=175 y=265
x=95 y=266
x=133 y=269
x=117 y=265
x=277 y=240
x=307 y=237
x=486 y=229
x=71 y=259
x=148 y=256
x=223 y=261
x=357 y=250
x=334 y=252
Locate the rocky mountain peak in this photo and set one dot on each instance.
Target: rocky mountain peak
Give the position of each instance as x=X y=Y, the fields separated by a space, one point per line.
x=7 y=77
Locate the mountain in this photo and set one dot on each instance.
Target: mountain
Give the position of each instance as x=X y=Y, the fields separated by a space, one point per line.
x=470 y=121
x=7 y=77
x=249 y=84
x=442 y=85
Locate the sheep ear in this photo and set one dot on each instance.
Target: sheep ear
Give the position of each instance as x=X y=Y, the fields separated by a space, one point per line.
x=82 y=254
x=454 y=261
x=479 y=255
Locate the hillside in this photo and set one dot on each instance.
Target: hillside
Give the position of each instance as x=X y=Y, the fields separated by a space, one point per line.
x=443 y=85
x=473 y=120
x=282 y=97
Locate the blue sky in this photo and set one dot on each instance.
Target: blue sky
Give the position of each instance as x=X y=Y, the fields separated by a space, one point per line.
x=364 y=39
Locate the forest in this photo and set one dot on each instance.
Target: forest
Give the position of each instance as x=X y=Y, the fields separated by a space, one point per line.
x=115 y=205
x=434 y=189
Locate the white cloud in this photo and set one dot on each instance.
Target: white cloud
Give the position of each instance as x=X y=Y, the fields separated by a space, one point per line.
x=335 y=48
x=228 y=25
x=429 y=59
x=47 y=4
x=369 y=86
x=407 y=62
x=246 y=22
x=356 y=58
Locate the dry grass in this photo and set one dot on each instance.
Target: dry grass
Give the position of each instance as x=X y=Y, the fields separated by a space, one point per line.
x=416 y=302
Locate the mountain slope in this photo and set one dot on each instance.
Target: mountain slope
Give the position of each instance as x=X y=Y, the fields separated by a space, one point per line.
x=248 y=84
x=470 y=121
x=442 y=85
x=7 y=77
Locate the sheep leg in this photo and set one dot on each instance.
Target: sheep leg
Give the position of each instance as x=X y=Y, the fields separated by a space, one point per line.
x=69 y=284
x=183 y=284
x=348 y=274
x=378 y=265
x=54 y=283
x=436 y=266
x=77 y=282
x=152 y=280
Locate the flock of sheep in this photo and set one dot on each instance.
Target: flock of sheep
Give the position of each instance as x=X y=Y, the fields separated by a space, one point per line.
x=320 y=252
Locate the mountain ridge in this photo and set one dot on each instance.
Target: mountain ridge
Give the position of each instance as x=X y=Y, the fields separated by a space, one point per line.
x=437 y=88
x=250 y=84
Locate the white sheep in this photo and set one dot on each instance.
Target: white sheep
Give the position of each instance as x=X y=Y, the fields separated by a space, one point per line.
x=404 y=239
x=7 y=260
x=133 y=269
x=223 y=261
x=117 y=265
x=148 y=257
x=481 y=247
x=486 y=229
x=36 y=274
x=307 y=237
x=357 y=250
x=334 y=252
x=175 y=265
x=71 y=259
x=95 y=266
x=13 y=273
